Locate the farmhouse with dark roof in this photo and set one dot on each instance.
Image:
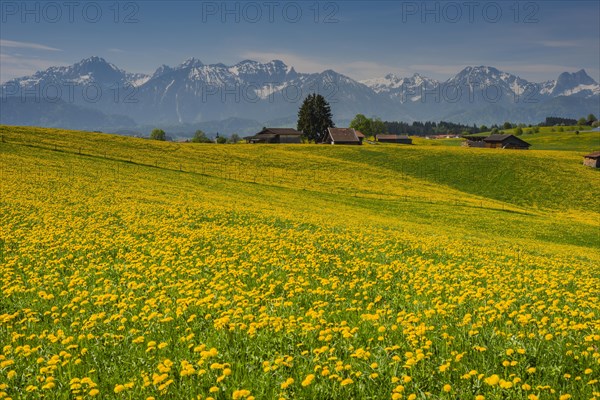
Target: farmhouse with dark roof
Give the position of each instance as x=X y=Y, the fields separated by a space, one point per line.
x=276 y=135
x=341 y=136
x=497 y=142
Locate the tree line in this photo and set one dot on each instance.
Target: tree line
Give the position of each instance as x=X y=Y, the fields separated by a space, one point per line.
x=590 y=120
x=418 y=128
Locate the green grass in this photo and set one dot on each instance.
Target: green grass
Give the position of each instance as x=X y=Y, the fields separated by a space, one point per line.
x=558 y=138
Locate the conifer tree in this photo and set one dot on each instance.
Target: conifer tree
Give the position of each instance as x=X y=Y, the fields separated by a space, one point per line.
x=314 y=117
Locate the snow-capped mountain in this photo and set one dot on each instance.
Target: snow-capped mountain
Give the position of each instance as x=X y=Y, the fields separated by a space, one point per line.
x=90 y=70
x=402 y=89
x=485 y=95
x=194 y=92
x=262 y=74
x=578 y=83
x=490 y=81
x=483 y=78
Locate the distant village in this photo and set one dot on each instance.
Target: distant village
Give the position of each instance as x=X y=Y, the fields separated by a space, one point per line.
x=350 y=136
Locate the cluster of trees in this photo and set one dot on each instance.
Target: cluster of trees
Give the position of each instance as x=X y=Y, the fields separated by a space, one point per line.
x=431 y=128
x=518 y=129
x=158 y=134
x=368 y=126
x=553 y=121
x=199 y=137
x=591 y=120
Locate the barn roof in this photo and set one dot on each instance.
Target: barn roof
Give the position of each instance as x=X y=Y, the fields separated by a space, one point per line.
x=502 y=138
x=359 y=134
x=497 y=138
x=270 y=133
x=343 y=134
x=595 y=155
x=474 y=138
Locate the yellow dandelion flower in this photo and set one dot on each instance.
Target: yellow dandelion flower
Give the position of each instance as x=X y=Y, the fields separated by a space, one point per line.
x=308 y=379
x=492 y=380
x=119 y=388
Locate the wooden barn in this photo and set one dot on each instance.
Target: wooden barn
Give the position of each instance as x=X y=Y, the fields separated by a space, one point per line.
x=497 y=142
x=401 y=139
x=360 y=135
x=592 y=159
x=505 y=142
x=474 y=141
x=342 y=136
x=276 y=135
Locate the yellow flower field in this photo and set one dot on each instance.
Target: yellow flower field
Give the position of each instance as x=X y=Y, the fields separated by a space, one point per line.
x=136 y=279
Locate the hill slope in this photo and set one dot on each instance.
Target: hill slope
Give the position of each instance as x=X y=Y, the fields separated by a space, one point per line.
x=227 y=270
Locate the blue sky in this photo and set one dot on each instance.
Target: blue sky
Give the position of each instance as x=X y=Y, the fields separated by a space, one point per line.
x=536 y=40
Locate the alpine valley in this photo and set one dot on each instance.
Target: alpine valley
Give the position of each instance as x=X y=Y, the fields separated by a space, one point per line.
x=96 y=95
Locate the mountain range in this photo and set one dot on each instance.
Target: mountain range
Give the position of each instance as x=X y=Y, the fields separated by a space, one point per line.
x=95 y=94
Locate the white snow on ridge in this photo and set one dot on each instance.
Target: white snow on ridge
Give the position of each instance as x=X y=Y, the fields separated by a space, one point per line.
x=137 y=82
x=595 y=89
x=548 y=87
x=268 y=90
x=518 y=88
x=375 y=81
x=83 y=79
x=166 y=90
x=392 y=84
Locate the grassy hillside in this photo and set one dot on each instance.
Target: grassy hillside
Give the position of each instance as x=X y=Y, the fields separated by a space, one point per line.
x=421 y=141
x=133 y=268
x=559 y=138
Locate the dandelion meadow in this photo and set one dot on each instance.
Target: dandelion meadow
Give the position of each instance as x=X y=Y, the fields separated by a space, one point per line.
x=132 y=269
